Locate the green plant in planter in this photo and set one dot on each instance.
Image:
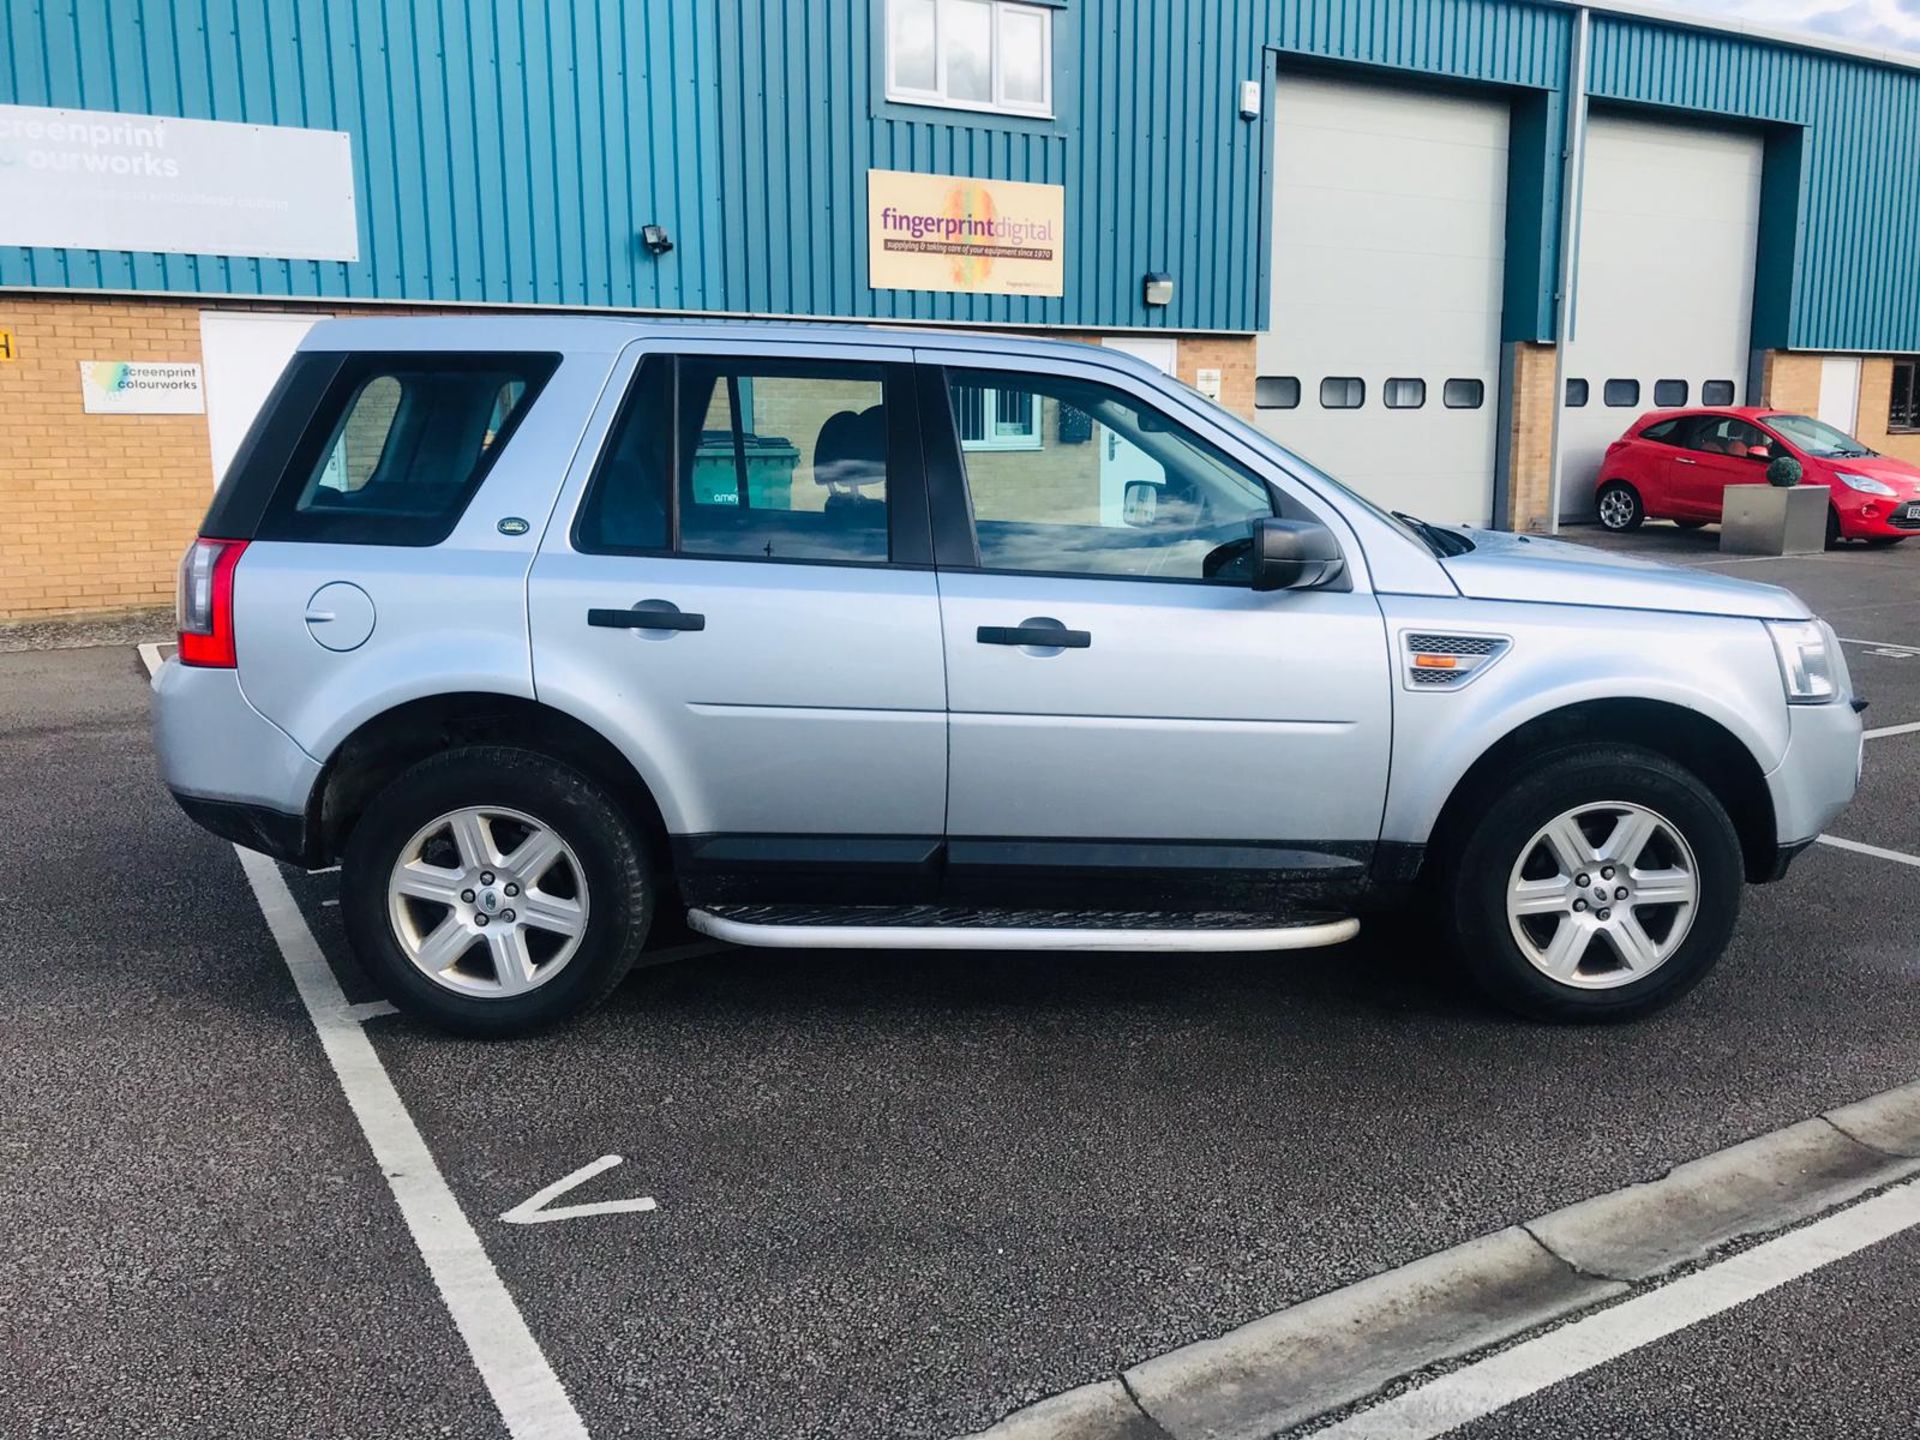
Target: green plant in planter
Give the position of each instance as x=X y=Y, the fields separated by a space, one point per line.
x=1784 y=472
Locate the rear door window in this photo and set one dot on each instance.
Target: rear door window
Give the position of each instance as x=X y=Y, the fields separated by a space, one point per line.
x=398 y=445
x=759 y=460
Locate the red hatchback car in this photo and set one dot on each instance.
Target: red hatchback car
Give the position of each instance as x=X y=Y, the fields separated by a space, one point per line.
x=1674 y=465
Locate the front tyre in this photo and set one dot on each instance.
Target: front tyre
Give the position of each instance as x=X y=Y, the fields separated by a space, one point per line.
x=1620 y=507
x=1602 y=884
x=492 y=891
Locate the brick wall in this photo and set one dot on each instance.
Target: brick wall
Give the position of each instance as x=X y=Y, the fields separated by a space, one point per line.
x=1232 y=356
x=98 y=507
x=1876 y=394
x=1530 y=438
x=1791 y=381
x=1057 y=480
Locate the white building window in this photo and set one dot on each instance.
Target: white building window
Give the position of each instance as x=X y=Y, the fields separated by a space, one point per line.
x=996 y=419
x=971 y=55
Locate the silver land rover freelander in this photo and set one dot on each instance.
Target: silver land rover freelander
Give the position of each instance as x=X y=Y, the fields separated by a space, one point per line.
x=832 y=636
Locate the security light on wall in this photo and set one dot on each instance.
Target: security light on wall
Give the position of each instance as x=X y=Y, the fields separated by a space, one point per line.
x=1157 y=288
x=656 y=239
x=1249 y=99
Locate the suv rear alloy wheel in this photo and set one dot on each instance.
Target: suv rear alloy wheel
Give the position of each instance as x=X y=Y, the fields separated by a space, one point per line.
x=1602 y=883
x=1620 y=506
x=492 y=890
x=488 y=902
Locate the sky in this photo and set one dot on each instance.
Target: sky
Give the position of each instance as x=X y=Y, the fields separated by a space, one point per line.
x=1891 y=23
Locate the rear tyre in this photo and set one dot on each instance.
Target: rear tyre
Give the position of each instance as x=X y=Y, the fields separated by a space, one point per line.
x=492 y=891
x=1620 y=506
x=1690 y=524
x=1601 y=884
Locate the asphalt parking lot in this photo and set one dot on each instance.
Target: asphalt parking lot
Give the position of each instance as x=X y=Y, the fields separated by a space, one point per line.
x=896 y=1194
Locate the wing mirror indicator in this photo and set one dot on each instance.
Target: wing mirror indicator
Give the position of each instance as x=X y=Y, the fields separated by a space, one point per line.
x=1294 y=555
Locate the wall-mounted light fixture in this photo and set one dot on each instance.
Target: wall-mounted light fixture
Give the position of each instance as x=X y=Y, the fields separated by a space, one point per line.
x=1249 y=99
x=1157 y=289
x=656 y=239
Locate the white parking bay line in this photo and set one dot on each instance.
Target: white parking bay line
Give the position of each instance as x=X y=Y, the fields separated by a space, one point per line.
x=1500 y=1380
x=1898 y=857
x=525 y=1390
x=1886 y=730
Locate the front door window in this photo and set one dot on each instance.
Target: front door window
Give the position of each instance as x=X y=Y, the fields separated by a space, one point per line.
x=1102 y=484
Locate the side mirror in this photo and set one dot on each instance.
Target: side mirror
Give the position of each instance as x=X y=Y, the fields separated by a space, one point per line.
x=1759 y=452
x=1294 y=555
x=1141 y=503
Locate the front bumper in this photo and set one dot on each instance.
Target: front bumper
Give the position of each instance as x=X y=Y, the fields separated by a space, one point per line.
x=232 y=769
x=1818 y=774
x=1871 y=517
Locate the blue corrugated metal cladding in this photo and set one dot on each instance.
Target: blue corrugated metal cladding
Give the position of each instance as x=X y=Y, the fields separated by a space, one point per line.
x=509 y=153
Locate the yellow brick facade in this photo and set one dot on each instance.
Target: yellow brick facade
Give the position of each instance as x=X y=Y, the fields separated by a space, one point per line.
x=1530 y=439
x=1791 y=381
x=99 y=507
x=1876 y=394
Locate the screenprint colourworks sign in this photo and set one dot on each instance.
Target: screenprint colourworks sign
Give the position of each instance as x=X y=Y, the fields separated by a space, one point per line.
x=103 y=180
x=953 y=233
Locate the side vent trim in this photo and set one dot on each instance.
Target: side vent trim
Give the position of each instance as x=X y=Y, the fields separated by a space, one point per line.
x=1447 y=660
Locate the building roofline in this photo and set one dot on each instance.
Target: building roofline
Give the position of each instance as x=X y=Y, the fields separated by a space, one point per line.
x=1768 y=34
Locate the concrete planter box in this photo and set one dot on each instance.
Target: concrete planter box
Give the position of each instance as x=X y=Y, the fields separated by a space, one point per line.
x=1774 y=519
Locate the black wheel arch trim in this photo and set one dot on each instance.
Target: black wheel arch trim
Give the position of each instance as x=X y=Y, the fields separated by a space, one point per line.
x=1694 y=741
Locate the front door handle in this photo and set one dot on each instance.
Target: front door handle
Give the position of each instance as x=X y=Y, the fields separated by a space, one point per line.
x=647 y=619
x=1048 y=633
x=1682 y=460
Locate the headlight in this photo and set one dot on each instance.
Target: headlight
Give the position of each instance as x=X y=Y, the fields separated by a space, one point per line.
x=1807 y=650
x=1865 y=484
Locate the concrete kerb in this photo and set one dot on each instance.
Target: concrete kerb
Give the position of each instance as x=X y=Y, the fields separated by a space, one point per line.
x=1339 y=1347
x=1310 y=1359
x=1757 y=1186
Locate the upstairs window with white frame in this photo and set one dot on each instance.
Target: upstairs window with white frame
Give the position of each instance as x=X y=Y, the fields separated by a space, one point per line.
x=971 y=55
x=996 y=419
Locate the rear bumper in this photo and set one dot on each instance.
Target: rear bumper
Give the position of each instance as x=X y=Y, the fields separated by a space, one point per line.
x=254 y=827
x=233 y=770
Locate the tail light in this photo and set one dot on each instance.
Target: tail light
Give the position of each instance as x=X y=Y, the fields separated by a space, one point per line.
x=205 y=602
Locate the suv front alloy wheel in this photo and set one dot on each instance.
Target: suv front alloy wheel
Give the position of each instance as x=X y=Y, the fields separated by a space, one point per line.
x=1601 y=882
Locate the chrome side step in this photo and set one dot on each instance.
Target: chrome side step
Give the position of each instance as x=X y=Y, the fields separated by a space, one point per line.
x=931 y=929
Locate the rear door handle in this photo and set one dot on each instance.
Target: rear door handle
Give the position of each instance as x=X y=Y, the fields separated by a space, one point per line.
x=1050 y=633
x=647 y=619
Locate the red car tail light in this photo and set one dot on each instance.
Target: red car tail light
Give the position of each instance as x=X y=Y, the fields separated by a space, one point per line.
x=204 y=602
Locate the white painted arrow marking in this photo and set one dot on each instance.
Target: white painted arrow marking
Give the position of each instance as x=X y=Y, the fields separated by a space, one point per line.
x=533 y=1210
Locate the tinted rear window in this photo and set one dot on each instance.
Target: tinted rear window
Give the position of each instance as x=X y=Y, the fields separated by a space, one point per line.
x=398 y=445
